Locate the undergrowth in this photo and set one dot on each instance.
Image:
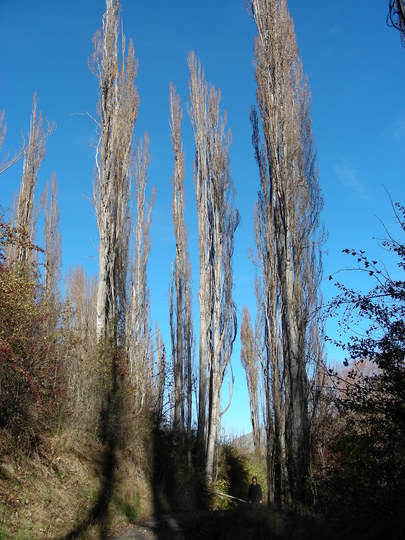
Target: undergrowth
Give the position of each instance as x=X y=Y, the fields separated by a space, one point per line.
x=56 y=493
x=53 y=493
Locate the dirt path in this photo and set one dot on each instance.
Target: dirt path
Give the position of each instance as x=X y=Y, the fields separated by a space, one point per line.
x=175 y=526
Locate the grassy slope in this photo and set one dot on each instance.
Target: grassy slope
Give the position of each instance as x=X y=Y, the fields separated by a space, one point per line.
x=56 y=491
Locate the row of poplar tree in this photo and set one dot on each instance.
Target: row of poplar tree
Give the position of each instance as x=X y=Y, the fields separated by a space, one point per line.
x=105 y=323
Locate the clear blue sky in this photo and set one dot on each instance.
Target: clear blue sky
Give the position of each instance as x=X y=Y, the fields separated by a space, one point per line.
x=356 y=69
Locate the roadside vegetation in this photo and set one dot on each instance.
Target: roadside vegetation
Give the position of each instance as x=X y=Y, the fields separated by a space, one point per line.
x=100 y=427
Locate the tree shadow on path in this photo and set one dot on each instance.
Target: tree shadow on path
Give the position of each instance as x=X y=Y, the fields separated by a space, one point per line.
x=181 y=500
x=177 y=485
x=98 y=515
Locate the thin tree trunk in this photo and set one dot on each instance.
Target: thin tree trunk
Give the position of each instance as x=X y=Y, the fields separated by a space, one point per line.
x=217 y=222
x=112 y=187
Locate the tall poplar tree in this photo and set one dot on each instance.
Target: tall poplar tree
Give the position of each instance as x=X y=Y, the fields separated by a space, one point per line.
x=287 y=238
x=250 y=362
x=180 y=296
x=217 y=223
x=138 y=331
x=25 y=212
x=112 y=185
x=53 y=242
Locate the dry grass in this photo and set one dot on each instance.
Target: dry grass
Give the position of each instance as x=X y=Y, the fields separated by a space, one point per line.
x=42 y=496
x=54 y=492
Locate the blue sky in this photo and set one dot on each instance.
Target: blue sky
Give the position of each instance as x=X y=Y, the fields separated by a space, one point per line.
x=356 y=70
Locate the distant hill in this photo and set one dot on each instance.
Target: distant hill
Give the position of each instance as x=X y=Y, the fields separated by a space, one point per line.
x=246 y=441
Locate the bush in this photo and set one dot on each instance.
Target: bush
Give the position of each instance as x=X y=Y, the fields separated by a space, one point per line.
x=364 y=476
x=29 y=376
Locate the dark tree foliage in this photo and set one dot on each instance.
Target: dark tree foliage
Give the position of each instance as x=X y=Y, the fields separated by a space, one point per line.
x=367 y=480
x=396 y=17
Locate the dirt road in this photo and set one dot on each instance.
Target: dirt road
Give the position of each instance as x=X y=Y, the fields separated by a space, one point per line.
x=174 y=526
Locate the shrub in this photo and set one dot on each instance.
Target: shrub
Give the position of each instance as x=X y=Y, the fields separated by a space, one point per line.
x=29 y=378
x=364 y=478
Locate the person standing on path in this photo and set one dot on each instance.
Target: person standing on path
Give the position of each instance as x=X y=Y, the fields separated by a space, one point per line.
x=255 y=493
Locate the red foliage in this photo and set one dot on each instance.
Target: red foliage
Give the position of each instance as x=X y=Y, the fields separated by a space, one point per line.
x=28 y=366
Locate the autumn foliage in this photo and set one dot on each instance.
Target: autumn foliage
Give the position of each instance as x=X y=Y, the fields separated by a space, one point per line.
x=29 y=376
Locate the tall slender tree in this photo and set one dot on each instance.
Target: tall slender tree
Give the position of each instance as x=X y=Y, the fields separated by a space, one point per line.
x=138 y=332
x=3 y=130
x=25 y=211
x=159 y=375
x=180 y=297
x=83 y=398
x=53 y=242
x=287 y=239
x=250 y=362
x=217 y=223
x=112 y=185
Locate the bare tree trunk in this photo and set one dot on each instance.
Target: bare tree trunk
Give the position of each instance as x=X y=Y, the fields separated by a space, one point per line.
x=288 y=211
x=3 y=130
x=217 y=222
x=189 y=354
x=138 y=318
x=181 y=326
x=269 y=306
x=159 y=376
x=250 y=362
x=197 y=111
x=112 y=187
x=83 y=399
x=53 y=243
x=25 y=212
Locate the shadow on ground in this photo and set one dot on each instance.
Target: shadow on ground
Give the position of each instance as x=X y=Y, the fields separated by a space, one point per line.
x=242 y=523
x=178 y=489
x=98 y=515
x=236 y=471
